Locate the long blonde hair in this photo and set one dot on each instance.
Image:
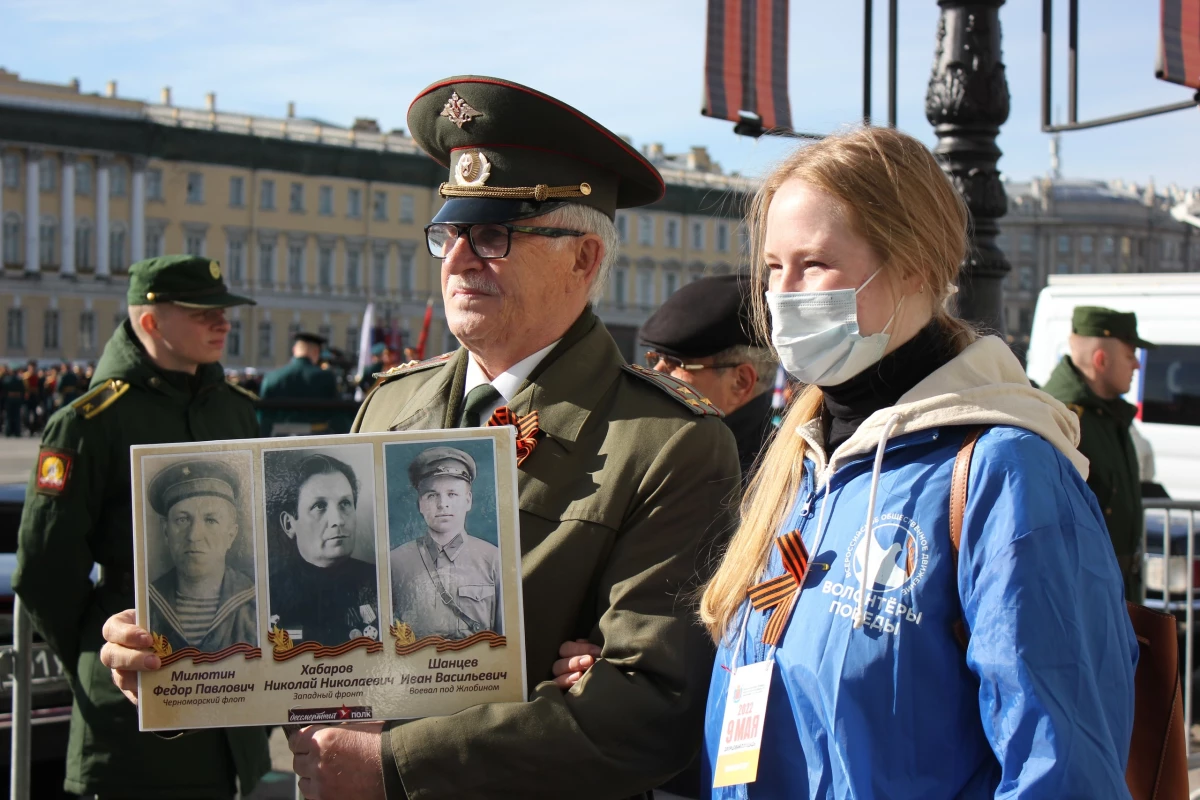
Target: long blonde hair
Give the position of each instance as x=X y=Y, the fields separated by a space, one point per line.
x=896 y=197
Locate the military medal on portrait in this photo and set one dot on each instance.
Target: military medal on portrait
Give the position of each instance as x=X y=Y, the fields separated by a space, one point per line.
x=368 y=576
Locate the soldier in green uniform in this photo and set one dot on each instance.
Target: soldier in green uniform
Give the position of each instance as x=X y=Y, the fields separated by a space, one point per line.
x=158 y=381
x=622 y=479
x=68 y=385
x=12 y=395
x=300 y=379
x=1090 y=381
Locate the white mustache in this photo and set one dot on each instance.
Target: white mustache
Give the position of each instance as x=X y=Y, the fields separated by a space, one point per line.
x=475 y=283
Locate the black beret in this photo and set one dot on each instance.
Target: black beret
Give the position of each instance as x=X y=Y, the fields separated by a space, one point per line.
x=702 y=318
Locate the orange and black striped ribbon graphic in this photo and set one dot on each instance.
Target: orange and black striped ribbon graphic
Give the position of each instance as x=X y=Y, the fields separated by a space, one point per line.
x=745 y=63
x=1179 y=46
x=781 y=593
x=527 y=429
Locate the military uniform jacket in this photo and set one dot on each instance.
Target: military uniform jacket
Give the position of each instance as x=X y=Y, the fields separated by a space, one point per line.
x=299 y=379
x=87 y=520
x=624 y=487
x=1114 y=475
x=467 y=569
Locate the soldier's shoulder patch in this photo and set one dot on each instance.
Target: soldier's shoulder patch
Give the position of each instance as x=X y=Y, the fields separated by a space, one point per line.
x=100 y=398
x=53 y=469
x=685 y=393
x=410 y=367
x=1076 y=409
x=244 y=392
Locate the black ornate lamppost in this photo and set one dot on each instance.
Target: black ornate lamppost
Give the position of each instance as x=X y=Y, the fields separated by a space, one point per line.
x=967 y=102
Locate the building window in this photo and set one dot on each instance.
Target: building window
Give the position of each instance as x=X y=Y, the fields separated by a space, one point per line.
x=296 y=265
x=379 y=272
x=645 y=230
x=1026 y=319
x=48 y=174
x=116 y=249
x=697 y=235
x=83 y=178
x=1108 y=246
x=266 y=263
x=83 y=245
x=266 y=199
x=296 y=198
x=379 y=207
x=1169 y=247
x=236 y=261
x=154 y=185
x=670 y=282
x=1085 y=268
x=623 y=228
x=325 y=331
x=354 y=203
x=407 y=273
x=407 y=213
x=16 y=329
x=325 y=201
x=353 y=268
x=620 y=282
x=672 y=233
x=1063 y=268
x=325 y=267
x=352 y=340
x=233 y=340
x=50 y=329
x=645 y=288
x=154 y=242
x=1026 y=279
x=723 y=237
x=195 y=188
x=237 y=192
x=12 y=172
x=1026 y=242
x=293 y=329
x=265 y=340
x=118 y=180
x=1085 y=244
x=13 y=234
x=1002 y=241
x=1064 y=245
x=48 y=242
x=87 y=331
x=193 y=243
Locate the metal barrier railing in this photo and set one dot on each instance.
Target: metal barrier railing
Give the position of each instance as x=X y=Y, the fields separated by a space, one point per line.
x=1169 y=581
x=22 y=702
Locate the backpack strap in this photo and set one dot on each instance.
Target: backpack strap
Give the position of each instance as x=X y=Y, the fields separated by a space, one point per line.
x=958 y=506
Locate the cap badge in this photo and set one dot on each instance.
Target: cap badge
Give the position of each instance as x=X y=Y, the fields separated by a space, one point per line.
x=473 y=169
x=214 y=269
x=458 y=110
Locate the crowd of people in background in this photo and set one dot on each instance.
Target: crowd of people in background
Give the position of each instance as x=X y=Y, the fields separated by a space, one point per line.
x=30 y=393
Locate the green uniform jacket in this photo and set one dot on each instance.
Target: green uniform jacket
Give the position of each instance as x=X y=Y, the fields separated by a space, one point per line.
x=620 y=497
x=1114 y=476
x=300 y=379
x=88 y=522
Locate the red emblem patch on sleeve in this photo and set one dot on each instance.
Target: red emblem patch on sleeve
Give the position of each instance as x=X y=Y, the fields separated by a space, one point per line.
x=53 y=469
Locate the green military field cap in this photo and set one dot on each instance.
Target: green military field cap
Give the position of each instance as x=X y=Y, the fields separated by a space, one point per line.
x=1099 y=321
x=191 y=479
x=515 y=153
x=441 y=461
x=192 y=281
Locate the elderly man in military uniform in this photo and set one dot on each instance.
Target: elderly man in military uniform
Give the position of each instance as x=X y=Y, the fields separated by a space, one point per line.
x=301 y=379
x=622 y=474
x=1090 y=381
x=447 y=582
x=202 y=601
x=158 y=381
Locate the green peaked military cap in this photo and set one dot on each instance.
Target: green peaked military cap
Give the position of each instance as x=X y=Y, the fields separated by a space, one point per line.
x=1100 y=321
x=437 y=462
x=191 y=479
x=513 y=153
x=192 y=281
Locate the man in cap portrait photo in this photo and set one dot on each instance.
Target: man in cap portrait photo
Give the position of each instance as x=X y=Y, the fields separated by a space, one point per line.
x=158 y=381
x=623 y=474
x=1090 y=381
x=446 y=582
x=202 y=601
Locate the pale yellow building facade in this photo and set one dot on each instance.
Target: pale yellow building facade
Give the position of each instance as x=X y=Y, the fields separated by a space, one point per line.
x=312 y=221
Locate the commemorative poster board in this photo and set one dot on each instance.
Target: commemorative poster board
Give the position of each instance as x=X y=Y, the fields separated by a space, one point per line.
x=329 y=578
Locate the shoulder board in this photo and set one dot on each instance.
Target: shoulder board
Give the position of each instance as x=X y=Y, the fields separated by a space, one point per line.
x=244 y=392
x=1076 y=408
x=685 y=393
x=413 y=366
x=100 y=398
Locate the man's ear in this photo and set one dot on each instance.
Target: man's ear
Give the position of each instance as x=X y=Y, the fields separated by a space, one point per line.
x=288 y=523
x=1100 y=360
x=588 y=257
x=148 y=323
x=745 y=379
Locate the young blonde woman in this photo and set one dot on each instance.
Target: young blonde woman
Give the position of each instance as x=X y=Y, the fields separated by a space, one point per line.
x=872 y=695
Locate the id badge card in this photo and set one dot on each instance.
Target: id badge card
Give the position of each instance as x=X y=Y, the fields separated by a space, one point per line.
x=742 y=727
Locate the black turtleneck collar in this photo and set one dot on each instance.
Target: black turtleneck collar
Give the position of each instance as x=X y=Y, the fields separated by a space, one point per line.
x=880 y=386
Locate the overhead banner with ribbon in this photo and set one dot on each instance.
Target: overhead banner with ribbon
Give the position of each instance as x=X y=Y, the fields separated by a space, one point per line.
x=745 y=67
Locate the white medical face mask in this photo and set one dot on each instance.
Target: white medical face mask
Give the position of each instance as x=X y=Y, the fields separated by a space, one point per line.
x=816 y=335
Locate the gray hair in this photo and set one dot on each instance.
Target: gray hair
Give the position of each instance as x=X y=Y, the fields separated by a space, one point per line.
x=758 y=357
x=589 y=220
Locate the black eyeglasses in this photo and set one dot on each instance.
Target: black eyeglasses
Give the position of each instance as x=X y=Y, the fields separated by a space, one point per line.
x=653 y=359
x=488 y=240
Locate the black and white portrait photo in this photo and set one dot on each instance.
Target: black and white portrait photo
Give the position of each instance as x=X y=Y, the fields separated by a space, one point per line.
x=321 y=542
x=202 y=591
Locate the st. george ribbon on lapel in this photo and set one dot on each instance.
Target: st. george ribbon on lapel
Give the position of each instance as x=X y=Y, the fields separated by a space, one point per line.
x=527 y=429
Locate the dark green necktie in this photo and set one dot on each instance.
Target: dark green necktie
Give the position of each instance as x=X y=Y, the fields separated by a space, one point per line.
x=476 y=401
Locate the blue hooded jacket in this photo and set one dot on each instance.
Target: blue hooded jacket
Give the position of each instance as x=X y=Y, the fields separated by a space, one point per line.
x=1040 y=705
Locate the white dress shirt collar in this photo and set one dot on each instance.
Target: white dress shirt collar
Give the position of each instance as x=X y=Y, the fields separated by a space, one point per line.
x=507 y=383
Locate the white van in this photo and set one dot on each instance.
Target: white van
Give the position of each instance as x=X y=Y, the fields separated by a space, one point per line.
x=1166 y=389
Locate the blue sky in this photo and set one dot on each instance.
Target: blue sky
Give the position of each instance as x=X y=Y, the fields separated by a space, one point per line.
x=635 y=66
